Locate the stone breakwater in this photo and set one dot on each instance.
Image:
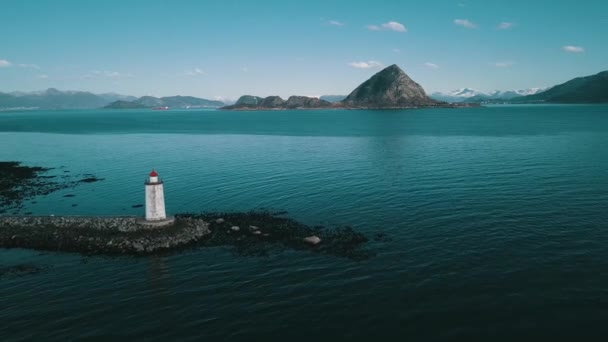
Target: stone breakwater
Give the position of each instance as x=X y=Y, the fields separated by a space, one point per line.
x=247 y=234
x=99 y=235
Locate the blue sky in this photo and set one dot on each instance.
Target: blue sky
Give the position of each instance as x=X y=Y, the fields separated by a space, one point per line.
x=223 y=49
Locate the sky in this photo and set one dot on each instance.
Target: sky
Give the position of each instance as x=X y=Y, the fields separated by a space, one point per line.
x=224 y=49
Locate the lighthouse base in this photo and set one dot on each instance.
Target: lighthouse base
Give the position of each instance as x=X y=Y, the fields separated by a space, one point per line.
x=156 y=223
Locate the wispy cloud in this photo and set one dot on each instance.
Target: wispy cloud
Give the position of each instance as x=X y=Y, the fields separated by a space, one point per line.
x=43 y=76
x=573 y=49
x=431 y=65
x=106 y=74
x=465 y=23
x=505 y=25
x=194 y=72
x=396 y=51
x=365 y=65
x=390 y=26
x=335 y=23
x=29 y=66
x=502 y=64
x=4 y=63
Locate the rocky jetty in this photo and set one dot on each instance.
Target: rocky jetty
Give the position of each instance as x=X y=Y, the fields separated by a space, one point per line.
x=248 y=234
x=99 y=235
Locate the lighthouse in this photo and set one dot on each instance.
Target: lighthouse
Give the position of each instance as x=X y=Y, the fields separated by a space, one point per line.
x=155 y=198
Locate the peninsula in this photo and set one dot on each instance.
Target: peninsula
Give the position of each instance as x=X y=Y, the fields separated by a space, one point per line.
x=391 y=88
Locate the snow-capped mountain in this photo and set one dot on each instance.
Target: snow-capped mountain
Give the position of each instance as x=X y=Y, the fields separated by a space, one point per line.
x=457 y=95
x=472 y=95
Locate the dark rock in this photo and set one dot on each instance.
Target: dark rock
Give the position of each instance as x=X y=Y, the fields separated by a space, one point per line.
x=90 y=180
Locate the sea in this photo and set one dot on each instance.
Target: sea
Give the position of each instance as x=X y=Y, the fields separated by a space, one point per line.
x=496 y=221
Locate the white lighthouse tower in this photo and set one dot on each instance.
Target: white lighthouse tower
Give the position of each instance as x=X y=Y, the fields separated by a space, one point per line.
x=155 y=198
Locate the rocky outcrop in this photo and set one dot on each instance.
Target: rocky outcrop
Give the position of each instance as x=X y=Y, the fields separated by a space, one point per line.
x=272 y=102
x=389 y=88
x=295 y=102
x=248 y=102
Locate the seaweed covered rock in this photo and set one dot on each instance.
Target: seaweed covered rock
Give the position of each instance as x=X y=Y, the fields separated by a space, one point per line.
x=268 y=231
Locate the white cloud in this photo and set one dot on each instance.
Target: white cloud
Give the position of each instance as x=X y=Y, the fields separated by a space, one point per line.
x=573 y=49
x=194 y=72
x=335 y=23
x=30 y=66
x=4 y=63
x=502 y=64
x=43 y=76
x=465 y=23
x=390 y=26
x=431 y=65
x=505 y=25
x=366 y=65
x=396 y=51
x=394 y=26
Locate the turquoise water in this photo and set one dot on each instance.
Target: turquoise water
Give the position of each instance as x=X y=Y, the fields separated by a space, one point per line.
x=497 y=219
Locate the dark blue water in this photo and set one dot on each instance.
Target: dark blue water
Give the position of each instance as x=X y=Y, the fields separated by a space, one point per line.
x=498 y=219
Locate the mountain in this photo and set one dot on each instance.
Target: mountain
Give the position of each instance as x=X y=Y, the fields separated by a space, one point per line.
x=457 y=95
x=498 y=96
x=56 y=99
x=170 y=101
x=389 y=88
x=333 y=98
x=249 y=102
x=474 y=96
x=589 y=89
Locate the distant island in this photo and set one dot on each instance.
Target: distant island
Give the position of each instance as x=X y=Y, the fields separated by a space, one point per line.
x=169 y=101
x=390 y=88
x=57 y=99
